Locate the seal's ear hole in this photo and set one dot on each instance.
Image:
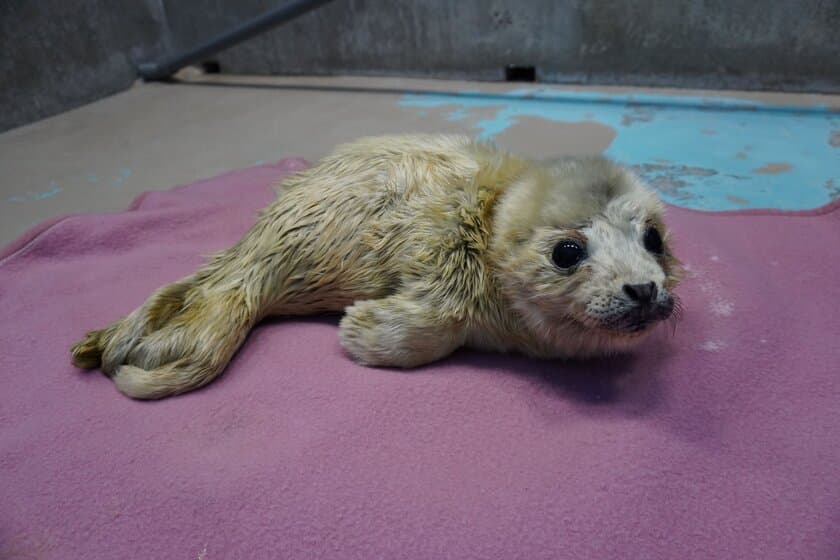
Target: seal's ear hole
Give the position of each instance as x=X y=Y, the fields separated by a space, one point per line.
x=519 y=239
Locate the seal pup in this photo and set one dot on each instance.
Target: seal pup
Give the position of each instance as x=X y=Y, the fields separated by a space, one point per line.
x=427 y=243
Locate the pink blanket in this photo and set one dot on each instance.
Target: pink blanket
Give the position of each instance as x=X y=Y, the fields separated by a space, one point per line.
x=722 y=441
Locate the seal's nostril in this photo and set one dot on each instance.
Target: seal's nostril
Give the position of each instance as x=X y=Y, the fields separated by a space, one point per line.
x=642 y=293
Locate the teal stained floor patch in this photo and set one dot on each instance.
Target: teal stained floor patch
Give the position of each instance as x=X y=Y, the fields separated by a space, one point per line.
x=707 y=153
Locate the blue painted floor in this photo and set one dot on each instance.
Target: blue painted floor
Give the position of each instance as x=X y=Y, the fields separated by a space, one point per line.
x=711 y=153
x=707 y=153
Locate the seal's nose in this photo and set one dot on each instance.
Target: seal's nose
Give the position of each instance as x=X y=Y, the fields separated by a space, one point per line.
x=642 y=293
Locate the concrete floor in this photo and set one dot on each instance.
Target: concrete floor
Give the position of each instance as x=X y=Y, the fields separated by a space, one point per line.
x=155 y=136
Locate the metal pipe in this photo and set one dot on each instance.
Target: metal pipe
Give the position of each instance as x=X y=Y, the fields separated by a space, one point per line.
x=164 y=68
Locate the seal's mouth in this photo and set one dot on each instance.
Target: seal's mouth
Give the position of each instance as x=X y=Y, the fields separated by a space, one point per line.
x=639 y=319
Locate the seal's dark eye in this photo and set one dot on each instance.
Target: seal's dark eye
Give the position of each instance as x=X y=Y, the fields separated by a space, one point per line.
x=567 y=253
x=653 y=241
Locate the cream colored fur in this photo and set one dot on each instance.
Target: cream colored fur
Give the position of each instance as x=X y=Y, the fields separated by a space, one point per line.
x=428 y=243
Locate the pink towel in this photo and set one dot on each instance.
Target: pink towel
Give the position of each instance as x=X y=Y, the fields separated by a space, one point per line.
x=722 y=441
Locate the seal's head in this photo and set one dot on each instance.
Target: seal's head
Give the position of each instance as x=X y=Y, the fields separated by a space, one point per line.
x=583 y=255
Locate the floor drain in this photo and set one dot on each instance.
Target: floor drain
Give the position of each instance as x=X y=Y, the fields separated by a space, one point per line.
x=515 y=73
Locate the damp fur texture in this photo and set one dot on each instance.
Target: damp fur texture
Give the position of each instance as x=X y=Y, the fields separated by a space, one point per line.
x=427 y=244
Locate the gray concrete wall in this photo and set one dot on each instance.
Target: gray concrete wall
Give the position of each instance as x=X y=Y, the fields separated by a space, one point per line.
x=753 y=44
x=58 y=54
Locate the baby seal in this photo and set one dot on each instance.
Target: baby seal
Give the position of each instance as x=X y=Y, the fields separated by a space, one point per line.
x=428 y=243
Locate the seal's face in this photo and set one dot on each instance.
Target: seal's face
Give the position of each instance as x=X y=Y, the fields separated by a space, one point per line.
x=616 y=272
x=588 y=255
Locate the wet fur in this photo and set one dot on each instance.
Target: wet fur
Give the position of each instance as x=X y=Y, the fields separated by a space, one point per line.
x=428 y=243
